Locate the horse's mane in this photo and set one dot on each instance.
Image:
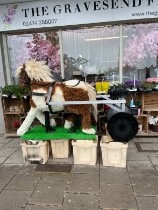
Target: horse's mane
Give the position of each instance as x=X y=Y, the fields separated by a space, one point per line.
x=36 y=70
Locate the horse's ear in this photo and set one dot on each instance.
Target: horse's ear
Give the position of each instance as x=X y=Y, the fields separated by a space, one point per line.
x=18 y=71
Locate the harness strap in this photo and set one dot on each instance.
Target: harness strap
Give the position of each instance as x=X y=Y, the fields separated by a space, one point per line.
x=77 y=83
x=49 y=96
x=38 y=94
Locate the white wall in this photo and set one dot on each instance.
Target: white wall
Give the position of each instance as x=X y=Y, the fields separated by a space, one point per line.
x=2 y=84
x=12 y=1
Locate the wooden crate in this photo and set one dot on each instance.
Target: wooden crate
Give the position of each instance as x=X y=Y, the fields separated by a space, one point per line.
x=150 y=101
x=143 y=120
x=13 y=110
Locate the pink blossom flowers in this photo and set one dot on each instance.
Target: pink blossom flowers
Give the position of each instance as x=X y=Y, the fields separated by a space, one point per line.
x=142 y=45
x=46 y=49
x=152 y=80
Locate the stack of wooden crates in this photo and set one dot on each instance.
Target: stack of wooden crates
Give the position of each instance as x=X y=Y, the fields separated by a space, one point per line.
x=14 y=110
x=149 y=107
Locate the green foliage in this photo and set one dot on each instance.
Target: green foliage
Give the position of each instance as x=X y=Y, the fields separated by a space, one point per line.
x=15 y=90
x=117 y=86
x=147 y=85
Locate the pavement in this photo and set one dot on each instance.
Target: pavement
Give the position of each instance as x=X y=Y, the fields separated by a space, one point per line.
x=85 y=187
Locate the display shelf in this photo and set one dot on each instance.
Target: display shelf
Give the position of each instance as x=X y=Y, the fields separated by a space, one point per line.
x=12 y=113
x=143 y=120
x=13 y=110
x=11 y=134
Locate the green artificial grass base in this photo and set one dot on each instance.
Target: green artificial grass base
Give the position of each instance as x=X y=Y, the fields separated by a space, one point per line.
x=39 y=133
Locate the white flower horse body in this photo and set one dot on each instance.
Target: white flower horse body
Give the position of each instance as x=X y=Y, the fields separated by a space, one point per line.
x=37 y=75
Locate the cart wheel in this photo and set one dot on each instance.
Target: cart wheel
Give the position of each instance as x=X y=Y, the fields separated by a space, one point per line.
x=122 y=127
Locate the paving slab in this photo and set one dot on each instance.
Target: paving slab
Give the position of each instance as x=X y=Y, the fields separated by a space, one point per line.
x=154 y=159
x=86 y=169
x=146 y=139
x=149 y=146
x=3 y=183
x=16 y=157
x=4 y=140
x=131 y=145
x=112 y=175
x=141 y=167
x=117 y=196
x=81 y=201
x=13 y=143
x=89 y=183
x=2 y=145
x=117 y=209
x=147 y=203
x=42 y=207
x=156 y=167
x=145 y=185
x=133 y=155
x=7 y=172
x=23 y=181
x=7 y=152
x=11 y=199
x=50 y=191
x=2 y=159
x=54 y=177
x=29 y=167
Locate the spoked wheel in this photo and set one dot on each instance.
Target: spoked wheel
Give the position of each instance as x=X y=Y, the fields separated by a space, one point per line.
x=122 y=127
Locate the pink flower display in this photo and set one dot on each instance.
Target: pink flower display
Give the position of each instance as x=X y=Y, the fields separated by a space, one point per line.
x=142 y=45
x=46 y=48
x=152 y=80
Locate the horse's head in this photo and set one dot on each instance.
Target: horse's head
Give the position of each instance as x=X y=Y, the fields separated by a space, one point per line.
x=24 y=80
x=33 y=70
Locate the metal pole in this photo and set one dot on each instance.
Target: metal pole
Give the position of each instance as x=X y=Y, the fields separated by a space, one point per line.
x=61 y=55
x=121 y=54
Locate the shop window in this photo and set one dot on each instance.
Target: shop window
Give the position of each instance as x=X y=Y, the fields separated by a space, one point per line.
x=140 y=51
x=39 y=46
x=92 y=51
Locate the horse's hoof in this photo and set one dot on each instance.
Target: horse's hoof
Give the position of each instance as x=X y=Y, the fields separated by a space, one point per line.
x=52 y=122
x=73 y=129
x=20 y=132
x=50 y=130
x=68 y=124
x=89 y=131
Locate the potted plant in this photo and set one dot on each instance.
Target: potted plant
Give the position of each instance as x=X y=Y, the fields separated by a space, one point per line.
x=132 y=85
x=146 y=86
x=14 y=91
x=117 y=90
x=154 y=81
x=6 y=91
x=153 y=123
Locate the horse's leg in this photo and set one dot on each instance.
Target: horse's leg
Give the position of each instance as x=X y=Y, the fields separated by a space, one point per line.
x=28 y=121
x=85 y=113
x=48 y=128
x=41 y=117
x=72 y=122
x=86 y=123
x=69 y=121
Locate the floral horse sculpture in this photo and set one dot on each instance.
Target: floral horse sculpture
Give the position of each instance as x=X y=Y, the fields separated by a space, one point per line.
x=36 y=75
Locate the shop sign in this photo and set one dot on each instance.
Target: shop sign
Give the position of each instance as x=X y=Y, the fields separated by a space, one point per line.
x=54 y=13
